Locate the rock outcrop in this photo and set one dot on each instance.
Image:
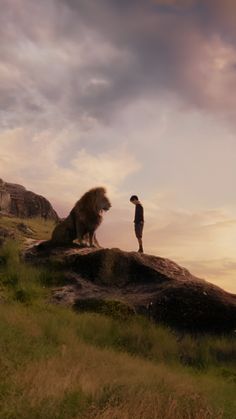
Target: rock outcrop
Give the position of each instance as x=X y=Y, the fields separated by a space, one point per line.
x=5 y=198
x=17 y=201
x=146 y=284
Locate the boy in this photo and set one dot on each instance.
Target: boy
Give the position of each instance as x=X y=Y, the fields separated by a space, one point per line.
x=138 y=220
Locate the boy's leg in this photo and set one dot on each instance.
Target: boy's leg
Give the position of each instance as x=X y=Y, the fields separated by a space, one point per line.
x=139 y=233
x=140 y=245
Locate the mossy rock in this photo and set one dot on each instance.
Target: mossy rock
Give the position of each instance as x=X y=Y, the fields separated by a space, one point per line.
x=113 y=308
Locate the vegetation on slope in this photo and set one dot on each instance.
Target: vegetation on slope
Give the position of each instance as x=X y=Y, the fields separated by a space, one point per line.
x=55 y=363
x=39 y=228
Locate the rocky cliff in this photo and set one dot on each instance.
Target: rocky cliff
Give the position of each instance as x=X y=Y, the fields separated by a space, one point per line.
x=17 y=201
x=149 y=285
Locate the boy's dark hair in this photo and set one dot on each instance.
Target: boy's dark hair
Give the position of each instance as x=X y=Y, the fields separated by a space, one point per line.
x=134 y=198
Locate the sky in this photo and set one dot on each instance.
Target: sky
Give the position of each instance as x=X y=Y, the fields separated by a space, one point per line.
x=137 y=96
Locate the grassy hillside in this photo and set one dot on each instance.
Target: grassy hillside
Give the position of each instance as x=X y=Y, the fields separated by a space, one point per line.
x=40 y=229
x=55 y=363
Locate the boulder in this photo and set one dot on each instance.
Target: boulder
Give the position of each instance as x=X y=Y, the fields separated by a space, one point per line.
x=149 y=285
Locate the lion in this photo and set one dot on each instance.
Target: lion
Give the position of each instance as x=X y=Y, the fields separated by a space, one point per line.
x=83 y=220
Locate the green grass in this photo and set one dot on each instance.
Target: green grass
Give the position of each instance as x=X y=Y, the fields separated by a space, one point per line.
x=41 y=229
x=56 y=363
x=112 y=308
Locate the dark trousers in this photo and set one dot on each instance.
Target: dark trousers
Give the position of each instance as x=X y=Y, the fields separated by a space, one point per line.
x=138 y=228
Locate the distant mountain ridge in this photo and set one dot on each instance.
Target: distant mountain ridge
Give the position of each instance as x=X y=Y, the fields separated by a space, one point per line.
x=16 y=200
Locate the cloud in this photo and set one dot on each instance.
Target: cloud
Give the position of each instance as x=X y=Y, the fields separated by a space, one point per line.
x=77 y=58
x=45 y=173
x=184 y=232
x=220 y=271
x=178 y=47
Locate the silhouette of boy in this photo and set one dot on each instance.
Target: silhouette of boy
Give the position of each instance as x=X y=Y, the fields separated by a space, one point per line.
x=138 y=220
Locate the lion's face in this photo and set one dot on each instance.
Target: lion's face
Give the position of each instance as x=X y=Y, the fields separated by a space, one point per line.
x=102 y=203
x=105 y=204
x=94 y=201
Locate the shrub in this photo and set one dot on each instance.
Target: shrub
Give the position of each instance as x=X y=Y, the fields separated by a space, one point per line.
x=113 y=308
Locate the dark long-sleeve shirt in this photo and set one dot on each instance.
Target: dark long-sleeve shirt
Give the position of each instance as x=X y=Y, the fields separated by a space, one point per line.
x=139 y=217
